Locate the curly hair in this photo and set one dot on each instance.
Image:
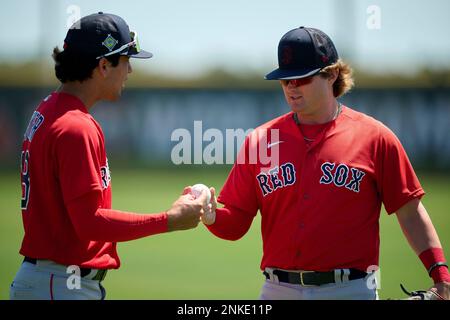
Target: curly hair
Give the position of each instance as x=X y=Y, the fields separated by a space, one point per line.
x=344 y=81
x=71 y=66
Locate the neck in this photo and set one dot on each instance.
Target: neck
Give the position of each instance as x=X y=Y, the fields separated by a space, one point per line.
x=323 y=114
x=86 y=91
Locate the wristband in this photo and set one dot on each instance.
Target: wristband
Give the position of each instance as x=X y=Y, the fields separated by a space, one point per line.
x=437 y=264
x=434 y=261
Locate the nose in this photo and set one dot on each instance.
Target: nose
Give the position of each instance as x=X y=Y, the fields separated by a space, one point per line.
x=293 y=88
x=292 y=84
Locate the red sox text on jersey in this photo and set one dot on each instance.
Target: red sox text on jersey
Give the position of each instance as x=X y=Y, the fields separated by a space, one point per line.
x=281 y=176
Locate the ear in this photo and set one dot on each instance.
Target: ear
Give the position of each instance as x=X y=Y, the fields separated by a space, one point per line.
x=334 y=73
x=103 y=67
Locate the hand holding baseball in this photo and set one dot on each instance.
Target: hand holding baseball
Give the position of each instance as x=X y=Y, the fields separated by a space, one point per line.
x=209 y=217
x=209 y=213
x=186 y=211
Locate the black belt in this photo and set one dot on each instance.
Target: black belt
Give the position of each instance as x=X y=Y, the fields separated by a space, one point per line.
x=101 y=273
x=314 y=278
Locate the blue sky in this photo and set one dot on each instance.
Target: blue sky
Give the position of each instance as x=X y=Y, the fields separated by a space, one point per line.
x=189 y=37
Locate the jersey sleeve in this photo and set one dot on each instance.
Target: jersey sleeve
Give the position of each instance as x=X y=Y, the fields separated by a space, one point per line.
x=78 y=156
x=239 y=189
x=397 y=182
x=94 y=223
x=231 y=223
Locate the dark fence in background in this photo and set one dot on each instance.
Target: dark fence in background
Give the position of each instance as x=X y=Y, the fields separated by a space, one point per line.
x=140 y=125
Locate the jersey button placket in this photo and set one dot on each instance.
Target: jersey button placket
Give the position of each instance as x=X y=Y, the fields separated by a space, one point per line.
x=303 y=199
x=302 y=178
x=306 y=178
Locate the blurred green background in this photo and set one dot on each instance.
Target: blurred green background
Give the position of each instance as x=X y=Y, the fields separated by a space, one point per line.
x=195 y=264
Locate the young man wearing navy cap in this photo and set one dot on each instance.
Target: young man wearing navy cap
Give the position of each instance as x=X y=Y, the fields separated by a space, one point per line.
x=71 y=231
x=320 y=196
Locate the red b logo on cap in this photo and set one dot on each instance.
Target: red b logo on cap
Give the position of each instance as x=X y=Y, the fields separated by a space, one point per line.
x=286 y=55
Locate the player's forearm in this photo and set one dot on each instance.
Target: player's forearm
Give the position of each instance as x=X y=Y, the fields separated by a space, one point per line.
x=108 y=225
x=421 y=234
x=121 y=226
x=417 y=226
x=231 y=223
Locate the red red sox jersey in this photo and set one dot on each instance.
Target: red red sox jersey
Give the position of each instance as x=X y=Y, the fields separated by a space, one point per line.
x=320 y=203
x=63 y=157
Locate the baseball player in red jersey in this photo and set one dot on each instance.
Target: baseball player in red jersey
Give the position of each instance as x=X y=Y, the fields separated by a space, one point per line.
x=70 y=229
x=320 y=195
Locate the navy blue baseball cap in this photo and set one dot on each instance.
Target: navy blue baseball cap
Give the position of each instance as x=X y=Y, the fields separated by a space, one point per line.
x=303 y=52
x=101 y=35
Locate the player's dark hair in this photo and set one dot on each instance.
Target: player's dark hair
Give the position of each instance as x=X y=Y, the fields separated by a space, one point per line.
x=75 y=67
x=344 y=81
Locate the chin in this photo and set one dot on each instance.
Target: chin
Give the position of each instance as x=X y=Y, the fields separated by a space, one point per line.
x=297 y=107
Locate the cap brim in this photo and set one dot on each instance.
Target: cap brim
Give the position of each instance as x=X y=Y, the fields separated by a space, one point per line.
x=284 y=74
x=141 y=55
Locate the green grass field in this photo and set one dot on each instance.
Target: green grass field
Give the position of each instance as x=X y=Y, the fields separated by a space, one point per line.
x=195 y=264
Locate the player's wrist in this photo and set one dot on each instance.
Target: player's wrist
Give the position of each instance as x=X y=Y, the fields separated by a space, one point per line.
x=434 y=261
x=440 y=274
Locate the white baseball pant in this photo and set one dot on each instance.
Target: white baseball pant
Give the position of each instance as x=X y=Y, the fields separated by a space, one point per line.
x=358 y=289
x=47 y=280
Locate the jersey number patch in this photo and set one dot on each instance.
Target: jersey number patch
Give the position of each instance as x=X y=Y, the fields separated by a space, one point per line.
x=25 y=175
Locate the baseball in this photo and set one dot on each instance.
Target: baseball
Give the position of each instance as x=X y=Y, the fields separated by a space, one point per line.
x=209 y=217
x=197 y=190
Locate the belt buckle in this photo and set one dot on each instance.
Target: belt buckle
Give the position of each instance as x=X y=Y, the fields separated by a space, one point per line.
x=301 y=279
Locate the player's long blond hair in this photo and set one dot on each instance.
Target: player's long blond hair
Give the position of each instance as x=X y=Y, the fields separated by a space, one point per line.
x=344 y=81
